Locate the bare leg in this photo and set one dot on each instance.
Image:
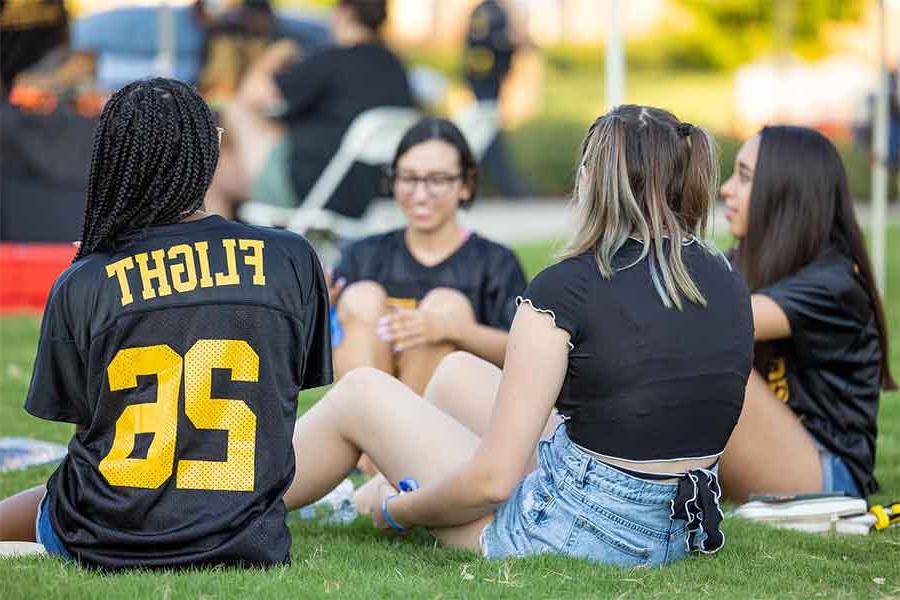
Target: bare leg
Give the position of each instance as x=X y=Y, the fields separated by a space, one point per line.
x=17 y=515
x=416 y=365
x=359 y=308
x=465 y=387
x=769 y=451
x=369 y=411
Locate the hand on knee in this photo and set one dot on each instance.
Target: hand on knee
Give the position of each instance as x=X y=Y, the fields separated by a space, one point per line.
x=441 y=318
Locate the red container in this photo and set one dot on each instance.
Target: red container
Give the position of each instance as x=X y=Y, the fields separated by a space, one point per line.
x=27 y=272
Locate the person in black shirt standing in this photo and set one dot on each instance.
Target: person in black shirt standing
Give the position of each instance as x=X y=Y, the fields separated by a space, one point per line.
x=176 y=343
x=31 y=29
x=277 y=161
x=487 y=59
x=641 y=336
x=821 y=356
x=416 y=294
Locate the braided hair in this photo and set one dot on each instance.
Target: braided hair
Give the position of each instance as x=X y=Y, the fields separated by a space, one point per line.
x=155 y=152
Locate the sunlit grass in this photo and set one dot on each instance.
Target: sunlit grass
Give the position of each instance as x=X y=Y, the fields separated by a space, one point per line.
x=355 y=561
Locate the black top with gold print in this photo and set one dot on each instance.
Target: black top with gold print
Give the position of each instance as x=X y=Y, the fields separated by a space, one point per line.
x=488 y=273
x=179 y=357
x=829 y=370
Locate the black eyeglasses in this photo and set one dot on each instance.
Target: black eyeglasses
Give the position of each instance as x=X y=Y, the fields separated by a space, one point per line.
x=436 y=184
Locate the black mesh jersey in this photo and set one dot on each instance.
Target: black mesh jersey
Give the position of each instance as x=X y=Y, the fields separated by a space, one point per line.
x=488 y=273
x=829 y=370
x=179 y=357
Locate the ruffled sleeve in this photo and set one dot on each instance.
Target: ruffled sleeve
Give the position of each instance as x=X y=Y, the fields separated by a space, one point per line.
x=561 y=290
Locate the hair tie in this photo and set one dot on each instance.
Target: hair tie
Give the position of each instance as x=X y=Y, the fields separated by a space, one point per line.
x=684 y=129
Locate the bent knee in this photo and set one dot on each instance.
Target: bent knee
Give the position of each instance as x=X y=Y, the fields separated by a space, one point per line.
x=356 y=384
x=361 y=378
x=449 y=372
x=448 y=300
x=364 y=300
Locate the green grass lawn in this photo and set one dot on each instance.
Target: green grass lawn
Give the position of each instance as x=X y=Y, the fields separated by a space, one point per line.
x=355 y=561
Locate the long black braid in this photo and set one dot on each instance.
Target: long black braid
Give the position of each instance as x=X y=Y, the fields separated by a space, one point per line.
x=155 y=152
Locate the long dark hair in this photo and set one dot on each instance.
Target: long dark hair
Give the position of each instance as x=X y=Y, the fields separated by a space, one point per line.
x=800 y=204
x=434 y=128
x=155 y=152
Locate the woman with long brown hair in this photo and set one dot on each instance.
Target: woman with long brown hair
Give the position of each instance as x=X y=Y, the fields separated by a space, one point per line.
x=821 y=355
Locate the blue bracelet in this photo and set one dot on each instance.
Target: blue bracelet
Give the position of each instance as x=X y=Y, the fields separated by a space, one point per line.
x=387 y=516
x=406 y=485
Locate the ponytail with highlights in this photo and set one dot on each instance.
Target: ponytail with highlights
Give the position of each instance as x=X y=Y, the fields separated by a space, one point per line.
x=644 y=173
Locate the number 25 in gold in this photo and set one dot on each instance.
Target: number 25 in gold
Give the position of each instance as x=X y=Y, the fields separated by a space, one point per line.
x=161 y=417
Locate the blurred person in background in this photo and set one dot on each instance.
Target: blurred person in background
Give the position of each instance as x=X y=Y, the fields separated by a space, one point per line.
x=821 y=354
x=276 y=160
x=234 y=41
x=407 y=298
x=30 y=30
x=491 y=42
x=863 y=131
x=894 y=132
x=36 y=63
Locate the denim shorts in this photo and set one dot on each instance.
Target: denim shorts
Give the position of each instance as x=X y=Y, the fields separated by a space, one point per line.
x=576 y=505
x=45 y=535
x=836 y=475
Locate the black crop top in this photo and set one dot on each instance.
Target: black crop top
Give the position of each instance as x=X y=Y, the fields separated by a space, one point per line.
x=645 y=382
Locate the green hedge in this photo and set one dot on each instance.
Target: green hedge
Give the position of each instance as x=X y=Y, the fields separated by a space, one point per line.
x=545 y=151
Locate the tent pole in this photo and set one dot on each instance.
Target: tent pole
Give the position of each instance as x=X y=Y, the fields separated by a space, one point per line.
x=165 y=57
x=615 y=57
x=878 y=224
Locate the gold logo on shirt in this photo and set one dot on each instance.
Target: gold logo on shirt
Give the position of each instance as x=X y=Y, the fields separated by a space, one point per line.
x=177 y=268
x=777 y=380
x=407 y=303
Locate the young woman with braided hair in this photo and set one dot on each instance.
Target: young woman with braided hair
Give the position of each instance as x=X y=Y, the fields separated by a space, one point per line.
x=122 y=193
x=176 y=343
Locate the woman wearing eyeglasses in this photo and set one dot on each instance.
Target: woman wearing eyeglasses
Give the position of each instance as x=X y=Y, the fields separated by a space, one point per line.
x=407 y=298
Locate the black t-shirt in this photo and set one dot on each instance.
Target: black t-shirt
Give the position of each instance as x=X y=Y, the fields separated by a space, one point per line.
x=829 y=370
x=489 y=49
x=645 y=382
x=324 y=93
x=488 y=273
x=179 y=357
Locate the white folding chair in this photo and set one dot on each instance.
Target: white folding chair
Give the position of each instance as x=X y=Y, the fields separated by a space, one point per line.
x=479 y=122
x=371 y=139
